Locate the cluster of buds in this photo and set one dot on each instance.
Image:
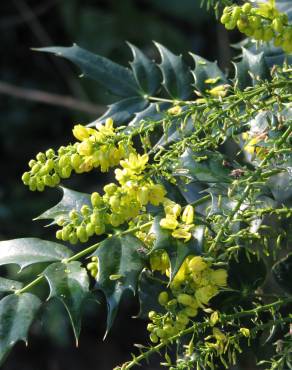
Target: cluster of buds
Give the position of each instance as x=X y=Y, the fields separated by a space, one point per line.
x=119 y=204
x=263 y=23
x=191 y=289
x=96 y=148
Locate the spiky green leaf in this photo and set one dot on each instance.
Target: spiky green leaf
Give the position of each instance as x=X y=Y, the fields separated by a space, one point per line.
x=117 y=79
x=204 y=71
x=7 y=285
x=177 y=78
x=16 y=315
x=121 y=260
x=71 y=200
x=27 y=251
x=70 y=284
x=145 y=71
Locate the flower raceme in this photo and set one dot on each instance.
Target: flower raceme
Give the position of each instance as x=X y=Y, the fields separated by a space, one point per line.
x=120 y=203
x=263 y=23
x=191 y=289
x=95 y=148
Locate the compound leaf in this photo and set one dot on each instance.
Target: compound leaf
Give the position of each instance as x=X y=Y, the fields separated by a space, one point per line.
x=16 y=315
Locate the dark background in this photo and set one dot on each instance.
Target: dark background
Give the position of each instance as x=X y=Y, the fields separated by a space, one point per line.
x=28 y=126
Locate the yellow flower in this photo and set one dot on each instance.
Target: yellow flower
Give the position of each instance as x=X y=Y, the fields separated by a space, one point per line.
x=107 y=129
x=218 y=91
x=181 y=234
x=175 y=110
x=169 y=222
x=156 y=194
x=80 y=132
x=188 y=214
x=219 y=277
x=204 y=294
x=197 y=264
x=135 y=163
x=171 y=208
x=85 y=148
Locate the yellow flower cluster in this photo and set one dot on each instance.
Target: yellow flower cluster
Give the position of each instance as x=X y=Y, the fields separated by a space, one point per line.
x=96 y=148
x=264 y=23
x=181 y=223
x=119 y=204
x=192 y=288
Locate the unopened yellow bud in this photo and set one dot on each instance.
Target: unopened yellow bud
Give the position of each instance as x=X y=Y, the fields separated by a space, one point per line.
x=214 y=318
x=245 y=332
x=186 y=300
x=163 y=298
x=188 y=214
x=221 y=337
x=197 y=264
x=175 y=110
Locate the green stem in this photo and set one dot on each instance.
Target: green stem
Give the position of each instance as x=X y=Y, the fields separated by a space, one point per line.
x=30 y=285
x=245 y=193
x=191 y=329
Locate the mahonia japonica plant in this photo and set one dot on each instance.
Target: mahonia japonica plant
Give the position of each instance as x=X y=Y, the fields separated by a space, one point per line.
x=198 y=218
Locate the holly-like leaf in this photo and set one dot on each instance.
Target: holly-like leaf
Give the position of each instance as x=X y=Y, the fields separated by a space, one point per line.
x=154 y=111
x=70 y=284
x=117 y=79
x=250 y=69
x=204 y=71
x=122 y=111
x=7 y=285
x=120 y=260
x=282 y=273
x=27 y=251
x=16 y=315
x=145 y=71
x=71 y=200
x=148 y=291
x=176 y=249
x=203 y=167
x=177 y=78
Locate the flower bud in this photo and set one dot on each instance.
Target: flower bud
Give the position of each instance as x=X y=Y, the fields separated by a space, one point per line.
x=163 y=298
